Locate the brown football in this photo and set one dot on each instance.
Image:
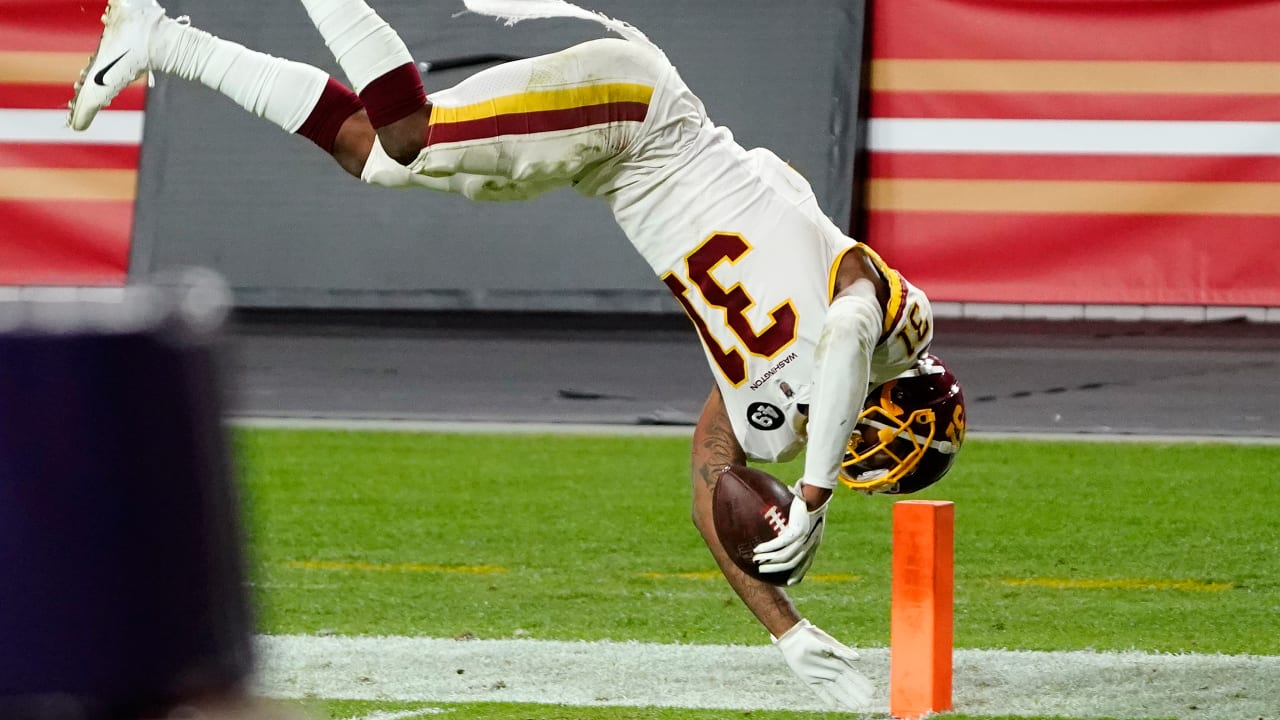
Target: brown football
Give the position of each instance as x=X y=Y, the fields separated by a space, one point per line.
x=750 y=506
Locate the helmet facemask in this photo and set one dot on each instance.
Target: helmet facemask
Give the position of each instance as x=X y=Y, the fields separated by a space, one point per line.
x=884 y=449
x=900 y=444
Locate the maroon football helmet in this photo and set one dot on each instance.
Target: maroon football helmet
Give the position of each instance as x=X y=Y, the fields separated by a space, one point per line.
x=908 y=433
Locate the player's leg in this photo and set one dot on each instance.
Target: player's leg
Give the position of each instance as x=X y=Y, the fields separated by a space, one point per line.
x=544 y=121
x=138 y=37
x=519 y=129
x=380 y=69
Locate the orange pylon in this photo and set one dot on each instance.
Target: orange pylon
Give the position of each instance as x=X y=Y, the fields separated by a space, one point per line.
x=921 y=615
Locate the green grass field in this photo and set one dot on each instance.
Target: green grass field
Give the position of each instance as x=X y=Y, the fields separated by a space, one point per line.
x=1059 y=546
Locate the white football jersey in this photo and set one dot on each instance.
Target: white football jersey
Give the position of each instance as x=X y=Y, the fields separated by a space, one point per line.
x=736 y=235
x=739 y=239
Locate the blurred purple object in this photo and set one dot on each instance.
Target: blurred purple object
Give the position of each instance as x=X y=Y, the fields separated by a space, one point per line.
x=121 y=573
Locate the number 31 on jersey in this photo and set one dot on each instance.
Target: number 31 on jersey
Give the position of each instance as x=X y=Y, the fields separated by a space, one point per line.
x=734 y=302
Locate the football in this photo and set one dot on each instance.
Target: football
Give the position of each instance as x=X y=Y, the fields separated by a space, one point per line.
x=750 y=506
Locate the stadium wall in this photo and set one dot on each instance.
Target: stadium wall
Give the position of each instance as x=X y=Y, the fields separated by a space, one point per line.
x=66 y=199
x=223 y=189
x=1078 y=154
x=1116 y=213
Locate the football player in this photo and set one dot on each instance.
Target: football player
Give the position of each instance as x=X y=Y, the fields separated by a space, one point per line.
x=798 y=320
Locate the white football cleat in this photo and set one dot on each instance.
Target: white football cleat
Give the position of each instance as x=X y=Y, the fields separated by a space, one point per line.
x=120 y=59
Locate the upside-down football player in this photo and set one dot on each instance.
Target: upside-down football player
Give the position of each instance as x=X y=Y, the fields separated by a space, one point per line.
x=798 y=320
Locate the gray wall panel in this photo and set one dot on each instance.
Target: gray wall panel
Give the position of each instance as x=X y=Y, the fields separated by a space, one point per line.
x=221 y=188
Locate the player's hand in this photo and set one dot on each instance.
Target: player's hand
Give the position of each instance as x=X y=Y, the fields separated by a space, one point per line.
x=797 y=544
x=825 y=665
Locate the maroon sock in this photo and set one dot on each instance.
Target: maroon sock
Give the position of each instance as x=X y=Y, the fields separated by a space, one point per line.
x=394 y=95
x=336 y=104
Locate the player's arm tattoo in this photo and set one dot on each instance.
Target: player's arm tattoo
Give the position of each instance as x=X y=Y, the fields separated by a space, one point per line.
x=714 y=444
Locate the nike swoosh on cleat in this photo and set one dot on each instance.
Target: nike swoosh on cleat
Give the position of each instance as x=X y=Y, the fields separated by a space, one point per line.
x=97 y=79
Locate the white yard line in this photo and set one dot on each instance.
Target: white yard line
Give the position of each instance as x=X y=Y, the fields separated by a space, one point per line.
x=402 y=715
x=987 y=682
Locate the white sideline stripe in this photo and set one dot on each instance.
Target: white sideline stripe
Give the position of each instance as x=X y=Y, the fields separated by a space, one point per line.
x=111 y=127
x=461 y=427
x=986 y=682
x=402 y=715
x=1074 y=137
x=607 y=429
x=1112 y=437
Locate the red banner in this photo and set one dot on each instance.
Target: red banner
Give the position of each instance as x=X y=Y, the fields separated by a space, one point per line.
x=66 y=199
x=1078 y=151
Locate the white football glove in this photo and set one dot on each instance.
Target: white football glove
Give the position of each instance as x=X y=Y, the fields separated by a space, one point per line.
x=798 y=542
x=826 y=666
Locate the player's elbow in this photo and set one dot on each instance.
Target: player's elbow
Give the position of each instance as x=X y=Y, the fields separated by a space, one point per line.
x=701 y=517
x=854 y=317
x=700 y=520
